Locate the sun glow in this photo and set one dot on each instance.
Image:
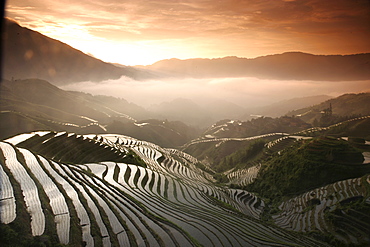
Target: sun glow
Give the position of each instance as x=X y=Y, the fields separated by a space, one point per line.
x=123 y=52
x=134 y=53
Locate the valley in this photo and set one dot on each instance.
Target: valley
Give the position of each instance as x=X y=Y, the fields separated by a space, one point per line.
x=269 y=151
x=160 y=197
x=79 y=169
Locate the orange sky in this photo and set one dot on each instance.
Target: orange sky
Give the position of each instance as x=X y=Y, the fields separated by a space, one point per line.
x=133 y=32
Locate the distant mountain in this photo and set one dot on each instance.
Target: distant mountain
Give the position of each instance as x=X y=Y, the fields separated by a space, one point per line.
x=286 y=66
x=29 y=54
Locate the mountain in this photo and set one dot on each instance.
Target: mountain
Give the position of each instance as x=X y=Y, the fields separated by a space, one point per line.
x=255 y=126
x=39 y=97
x=286 y=66
x=33 y=104
x=283 y=107
x=347 y=105
x=29 y=54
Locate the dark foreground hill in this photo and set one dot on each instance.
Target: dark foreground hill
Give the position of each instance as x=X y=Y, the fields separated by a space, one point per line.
x=286 y=66
x=29 y=54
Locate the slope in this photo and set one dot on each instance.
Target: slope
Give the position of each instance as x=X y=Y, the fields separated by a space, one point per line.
x=29 y=54
x=169 y=203
x=346 y=105
x=33 y=104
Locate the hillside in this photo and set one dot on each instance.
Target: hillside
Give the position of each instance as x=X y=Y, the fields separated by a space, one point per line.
x=29 y=54
x=284 y=107
x=120 y=191
x=286 y=66
x=33 y=104
x=255 y=126
x=347 y=105
x=295 y=170
x=171 y=202
x=318 y=185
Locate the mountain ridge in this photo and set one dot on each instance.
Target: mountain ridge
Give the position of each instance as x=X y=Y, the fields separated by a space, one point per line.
x=49 y=59
x=285 y=66
x=349 y=104
x=52 y=60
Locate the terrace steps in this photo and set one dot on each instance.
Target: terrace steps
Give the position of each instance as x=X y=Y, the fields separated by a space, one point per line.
x=168 y=203
x=306 y=212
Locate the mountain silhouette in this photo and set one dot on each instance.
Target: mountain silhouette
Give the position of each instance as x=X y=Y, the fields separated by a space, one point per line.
x=29 y=54
x=286 y=66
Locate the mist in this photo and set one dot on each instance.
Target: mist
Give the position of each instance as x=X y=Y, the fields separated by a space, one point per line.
x=245 y=92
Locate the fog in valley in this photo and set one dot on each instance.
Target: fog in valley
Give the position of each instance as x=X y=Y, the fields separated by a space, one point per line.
x=244 y=92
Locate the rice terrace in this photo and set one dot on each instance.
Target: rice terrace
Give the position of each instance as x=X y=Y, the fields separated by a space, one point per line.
x=161 y=198
x=185 y=123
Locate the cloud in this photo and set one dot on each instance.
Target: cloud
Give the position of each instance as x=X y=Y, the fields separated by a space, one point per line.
x=246 y=28
x=200 y=16
x=242 y=91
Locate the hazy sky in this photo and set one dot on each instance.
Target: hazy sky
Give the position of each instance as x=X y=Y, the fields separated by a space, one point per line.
x=142 y=32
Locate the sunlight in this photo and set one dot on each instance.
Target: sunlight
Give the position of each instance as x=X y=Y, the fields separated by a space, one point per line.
x=125 y=53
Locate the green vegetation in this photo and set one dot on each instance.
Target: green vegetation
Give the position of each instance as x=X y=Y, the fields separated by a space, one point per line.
x=306 y=165
x=227 y=154
x=243 y=157
x=132 y=158
x=350 y=214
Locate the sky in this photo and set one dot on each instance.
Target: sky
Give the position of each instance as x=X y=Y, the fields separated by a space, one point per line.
x=141 y=32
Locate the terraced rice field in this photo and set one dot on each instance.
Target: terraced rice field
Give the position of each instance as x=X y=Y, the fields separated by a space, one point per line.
x=243 y=177
x=246 y=176
x=219 y=141
x=306 y=212
x=171 y=202
x=7 y=200
x=310 y=131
